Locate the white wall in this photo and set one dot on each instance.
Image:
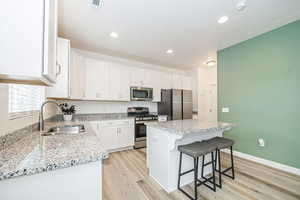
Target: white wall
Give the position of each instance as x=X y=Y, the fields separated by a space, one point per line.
x=89 y=107
x=195 y=82
x=207 y=94
x=7 y=125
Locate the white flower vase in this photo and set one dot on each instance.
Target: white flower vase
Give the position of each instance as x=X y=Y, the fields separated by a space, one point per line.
x=68 y=117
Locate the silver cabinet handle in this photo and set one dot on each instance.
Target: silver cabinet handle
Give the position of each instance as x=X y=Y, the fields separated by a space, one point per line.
x=58 y=72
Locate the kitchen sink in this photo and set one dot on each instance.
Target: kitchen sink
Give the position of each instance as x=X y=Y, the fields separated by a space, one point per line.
x=69 y=129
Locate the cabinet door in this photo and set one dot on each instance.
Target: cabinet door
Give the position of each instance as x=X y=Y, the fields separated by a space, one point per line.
x=61 y=88
x=156 y=85
x=119 y=83
x=149 y=78
x=77 y=76
x=21 y=38
x=177 y=81
x=108 y=136
x=125 y=136
x=166 y=80
x=114 y=82
x=50 y=38
x=137 y=77
x=124 y=93
x=96 y=79
x=186 y=83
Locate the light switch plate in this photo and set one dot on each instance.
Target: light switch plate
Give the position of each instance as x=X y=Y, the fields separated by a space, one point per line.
x=225 y=110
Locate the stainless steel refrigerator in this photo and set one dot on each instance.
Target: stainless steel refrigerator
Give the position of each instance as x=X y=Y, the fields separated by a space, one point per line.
x=176 y=104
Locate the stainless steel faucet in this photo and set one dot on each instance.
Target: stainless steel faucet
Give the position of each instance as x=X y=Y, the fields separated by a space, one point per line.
x=41 y=119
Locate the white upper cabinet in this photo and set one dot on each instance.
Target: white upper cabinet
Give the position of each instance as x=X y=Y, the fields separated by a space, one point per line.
x=28 y=41
x=166 y=80
x=137 y=77
x=187 y=83
x=86 y=78
x=77 y=76
x=156 y=84
x=177 y=81
x=118 y=82
x=96 y=79
x=61 y=88
x=181 y=82
x=50 y=40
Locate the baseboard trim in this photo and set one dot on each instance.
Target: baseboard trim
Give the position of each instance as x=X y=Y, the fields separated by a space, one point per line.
x=266 y=162
x=120 y=149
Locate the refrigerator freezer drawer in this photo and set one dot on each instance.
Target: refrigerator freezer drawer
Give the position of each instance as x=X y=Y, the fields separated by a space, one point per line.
x=187 y=110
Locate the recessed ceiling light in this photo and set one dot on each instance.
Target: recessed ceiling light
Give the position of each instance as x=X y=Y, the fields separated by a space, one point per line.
x=241 y=5
x=114 y=35
x=223 y=19
x=169 y=51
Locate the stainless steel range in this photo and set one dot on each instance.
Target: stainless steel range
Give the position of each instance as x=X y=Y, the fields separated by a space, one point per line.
x=142 y=116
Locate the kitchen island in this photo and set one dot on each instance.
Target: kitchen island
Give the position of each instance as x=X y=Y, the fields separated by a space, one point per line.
x=163 y=139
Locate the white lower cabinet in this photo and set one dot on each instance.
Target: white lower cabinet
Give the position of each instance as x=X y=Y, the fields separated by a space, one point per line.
x=115 y=134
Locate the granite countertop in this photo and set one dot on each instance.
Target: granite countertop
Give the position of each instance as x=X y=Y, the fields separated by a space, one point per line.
x=102 y=116
x=188 y=126
x=35 y=154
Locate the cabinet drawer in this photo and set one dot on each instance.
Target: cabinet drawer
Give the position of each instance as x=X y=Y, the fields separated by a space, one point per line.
x=116 y=123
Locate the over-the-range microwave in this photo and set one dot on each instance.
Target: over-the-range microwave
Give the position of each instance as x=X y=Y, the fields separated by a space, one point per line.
x=141 y=94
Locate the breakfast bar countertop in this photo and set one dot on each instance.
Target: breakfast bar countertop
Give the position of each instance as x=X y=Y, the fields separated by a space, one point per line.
x=35 y=154
x=189 y=126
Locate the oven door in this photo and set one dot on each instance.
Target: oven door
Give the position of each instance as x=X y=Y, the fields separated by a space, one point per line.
x=141 y=94
x=140 y=131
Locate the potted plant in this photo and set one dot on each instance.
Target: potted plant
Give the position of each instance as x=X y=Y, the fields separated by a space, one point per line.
x=67 y=111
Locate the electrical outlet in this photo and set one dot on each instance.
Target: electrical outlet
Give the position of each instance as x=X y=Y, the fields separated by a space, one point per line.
x=225 y=110
x=261 y=142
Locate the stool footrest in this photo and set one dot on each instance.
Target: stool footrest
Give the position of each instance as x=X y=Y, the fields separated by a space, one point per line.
x=189 y=171
x=224 y=172
x=208 y=163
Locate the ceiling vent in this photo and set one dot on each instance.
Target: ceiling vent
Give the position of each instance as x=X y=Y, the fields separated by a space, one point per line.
x=97 y=3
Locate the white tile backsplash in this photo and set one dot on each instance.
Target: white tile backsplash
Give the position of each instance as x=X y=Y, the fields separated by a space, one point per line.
x=89 y=107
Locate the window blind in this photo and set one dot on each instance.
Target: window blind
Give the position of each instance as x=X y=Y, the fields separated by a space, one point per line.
x=24 y=99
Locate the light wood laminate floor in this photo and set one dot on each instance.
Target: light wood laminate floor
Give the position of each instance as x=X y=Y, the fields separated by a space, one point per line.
x=125 y=177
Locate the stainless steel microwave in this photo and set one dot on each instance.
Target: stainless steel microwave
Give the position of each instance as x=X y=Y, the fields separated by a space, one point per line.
x=141 y=94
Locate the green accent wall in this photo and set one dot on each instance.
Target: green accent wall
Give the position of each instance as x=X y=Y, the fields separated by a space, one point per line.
x=259 y=80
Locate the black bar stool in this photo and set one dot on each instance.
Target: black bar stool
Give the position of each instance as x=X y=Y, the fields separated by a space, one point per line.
x=222 y=143
x=195 y=150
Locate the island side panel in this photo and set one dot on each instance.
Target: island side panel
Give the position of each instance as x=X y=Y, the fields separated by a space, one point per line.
x=76 y=183
x=158 y=156
x=163 y=156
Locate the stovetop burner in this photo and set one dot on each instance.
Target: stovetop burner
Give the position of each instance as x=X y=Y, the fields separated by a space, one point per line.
x=141 y=113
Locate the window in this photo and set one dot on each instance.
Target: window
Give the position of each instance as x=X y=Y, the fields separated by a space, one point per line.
x=24 y=99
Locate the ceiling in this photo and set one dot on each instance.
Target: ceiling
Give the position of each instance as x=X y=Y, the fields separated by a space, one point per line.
x=147 y=28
